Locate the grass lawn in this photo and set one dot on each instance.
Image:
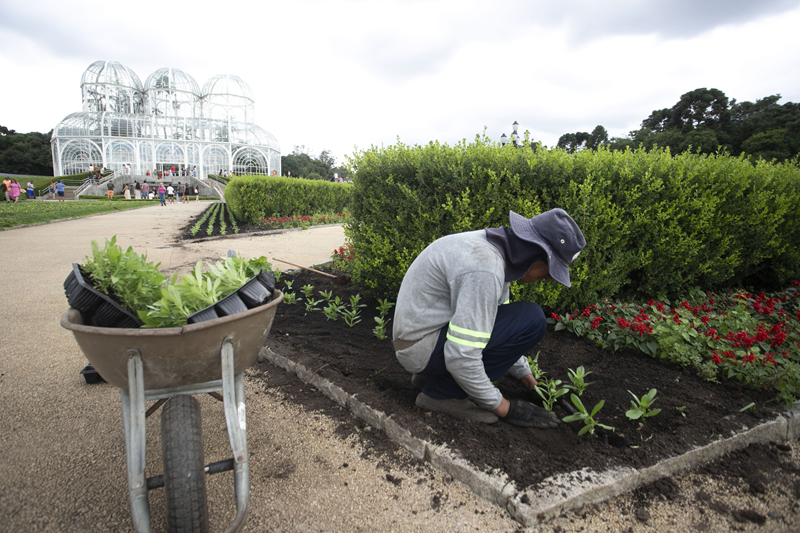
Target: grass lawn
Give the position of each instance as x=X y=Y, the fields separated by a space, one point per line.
x=34 y=212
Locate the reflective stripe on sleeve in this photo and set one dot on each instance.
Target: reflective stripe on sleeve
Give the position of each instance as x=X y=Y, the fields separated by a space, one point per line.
x=456 y=334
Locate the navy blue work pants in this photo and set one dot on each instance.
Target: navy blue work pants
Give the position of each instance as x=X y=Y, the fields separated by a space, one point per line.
x=518 y=327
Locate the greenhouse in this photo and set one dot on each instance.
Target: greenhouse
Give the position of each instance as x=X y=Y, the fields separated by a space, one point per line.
x=169 y=121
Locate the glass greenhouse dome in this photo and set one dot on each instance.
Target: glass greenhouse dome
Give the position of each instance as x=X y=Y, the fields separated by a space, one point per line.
x=167 y=121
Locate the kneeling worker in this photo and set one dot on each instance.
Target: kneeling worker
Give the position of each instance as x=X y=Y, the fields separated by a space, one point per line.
x=453 y=328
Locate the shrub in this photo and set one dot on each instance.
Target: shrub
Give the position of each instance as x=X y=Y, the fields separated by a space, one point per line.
x=252 y=198
x=654 y=223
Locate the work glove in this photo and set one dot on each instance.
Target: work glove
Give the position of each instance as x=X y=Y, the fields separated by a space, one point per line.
x=525 y=414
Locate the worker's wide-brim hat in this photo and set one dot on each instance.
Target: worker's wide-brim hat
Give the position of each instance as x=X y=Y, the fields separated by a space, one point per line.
x=557 y=233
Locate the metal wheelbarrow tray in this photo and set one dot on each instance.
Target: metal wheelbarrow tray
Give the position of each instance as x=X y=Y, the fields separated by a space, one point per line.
x=159 y=364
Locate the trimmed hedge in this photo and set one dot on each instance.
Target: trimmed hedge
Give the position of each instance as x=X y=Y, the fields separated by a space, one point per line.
x=655 y=224
x=252 y=198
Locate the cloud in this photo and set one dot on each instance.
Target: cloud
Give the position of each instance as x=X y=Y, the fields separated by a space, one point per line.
x=587 y=20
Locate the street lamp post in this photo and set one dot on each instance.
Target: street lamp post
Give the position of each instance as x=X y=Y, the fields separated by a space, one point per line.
x=514 y=136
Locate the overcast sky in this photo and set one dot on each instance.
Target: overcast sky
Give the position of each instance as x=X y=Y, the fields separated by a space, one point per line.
x=341 y=74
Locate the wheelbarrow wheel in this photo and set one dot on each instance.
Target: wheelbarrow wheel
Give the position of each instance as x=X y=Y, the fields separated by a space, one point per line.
x=184 y=475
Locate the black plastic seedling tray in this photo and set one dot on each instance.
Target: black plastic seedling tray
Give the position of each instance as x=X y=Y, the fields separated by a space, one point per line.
x=97 y=309
x=91 y=375
x=254 y=293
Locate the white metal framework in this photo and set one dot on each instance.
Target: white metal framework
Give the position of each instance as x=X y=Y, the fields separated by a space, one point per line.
x=169 y=121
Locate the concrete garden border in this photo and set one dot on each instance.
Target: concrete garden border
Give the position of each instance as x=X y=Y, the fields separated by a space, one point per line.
x=557 y=494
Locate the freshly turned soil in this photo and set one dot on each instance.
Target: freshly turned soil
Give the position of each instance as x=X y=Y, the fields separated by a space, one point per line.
x=358 y=362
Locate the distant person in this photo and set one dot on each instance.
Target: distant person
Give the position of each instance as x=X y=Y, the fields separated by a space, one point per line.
x=196 y=194
x=14 y=190
x=7 y=188
x=178 y=192
x=126 y=192
x=161 y=193
x=171 y=194
x=29 y=187
x=146 y=190
x=60 y=191
x=110 y=193
x=52 y=189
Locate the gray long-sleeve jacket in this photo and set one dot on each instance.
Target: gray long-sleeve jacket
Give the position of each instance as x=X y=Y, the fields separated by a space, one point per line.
x=456 y=282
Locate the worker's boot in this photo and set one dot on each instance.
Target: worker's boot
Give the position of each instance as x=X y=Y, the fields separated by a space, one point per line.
x=418 y=381
x=461 y=409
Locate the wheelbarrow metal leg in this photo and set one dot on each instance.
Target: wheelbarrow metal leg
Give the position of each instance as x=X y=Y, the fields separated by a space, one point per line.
x=233 y=399
x=133 y=416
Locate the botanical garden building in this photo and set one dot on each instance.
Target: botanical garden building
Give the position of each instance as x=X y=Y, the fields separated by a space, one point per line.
x=167 y=122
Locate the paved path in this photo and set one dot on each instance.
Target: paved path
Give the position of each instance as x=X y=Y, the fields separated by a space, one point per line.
x=62 y=456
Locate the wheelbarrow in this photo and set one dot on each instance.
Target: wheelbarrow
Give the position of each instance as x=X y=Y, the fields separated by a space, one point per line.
x=169 y=365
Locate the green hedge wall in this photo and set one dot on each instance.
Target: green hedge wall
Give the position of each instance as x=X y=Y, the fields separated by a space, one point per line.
x=655 y=224
x=252 y=198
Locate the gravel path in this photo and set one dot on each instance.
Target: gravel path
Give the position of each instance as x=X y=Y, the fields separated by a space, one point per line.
x=62 y=457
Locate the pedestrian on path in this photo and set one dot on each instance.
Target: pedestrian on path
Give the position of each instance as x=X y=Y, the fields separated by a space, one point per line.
x=14 y=190
x=29 y=190
x=161 y=192
x=52 y=189
x=60 y=191
x=7 y=188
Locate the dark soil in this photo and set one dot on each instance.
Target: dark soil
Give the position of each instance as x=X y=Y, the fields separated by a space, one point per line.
x=202 y=234
x=355 y=360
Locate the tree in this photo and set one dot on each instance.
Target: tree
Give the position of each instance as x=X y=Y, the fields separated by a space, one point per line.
x=581 y=140
x=705 y=119
x=301 y=164
x=25 y=153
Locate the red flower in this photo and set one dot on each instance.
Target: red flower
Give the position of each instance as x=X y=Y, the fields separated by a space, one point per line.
x=716 y=358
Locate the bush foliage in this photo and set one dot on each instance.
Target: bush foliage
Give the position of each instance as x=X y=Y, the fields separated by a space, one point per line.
x=252 y=198
x=655 y=224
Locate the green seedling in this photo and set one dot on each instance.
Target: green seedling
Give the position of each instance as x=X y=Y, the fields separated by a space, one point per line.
x=537 y=372
x=331 y=311
x=308 y=290
x=578 y=379
x=277 y=273
x=641 y=408
x=354 y=302
x=550 y=390
x=311 y=305
x=682 y=410
x=589 y=423
x=328 y=295
x=290 y=298
x=288 y=284
x=351 y=316
x=380 y=329
x=384 y=306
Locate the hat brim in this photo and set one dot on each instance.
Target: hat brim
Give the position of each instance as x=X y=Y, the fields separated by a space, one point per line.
x=523 y=229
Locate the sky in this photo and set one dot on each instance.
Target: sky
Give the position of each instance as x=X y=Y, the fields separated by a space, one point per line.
x=345 y=75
